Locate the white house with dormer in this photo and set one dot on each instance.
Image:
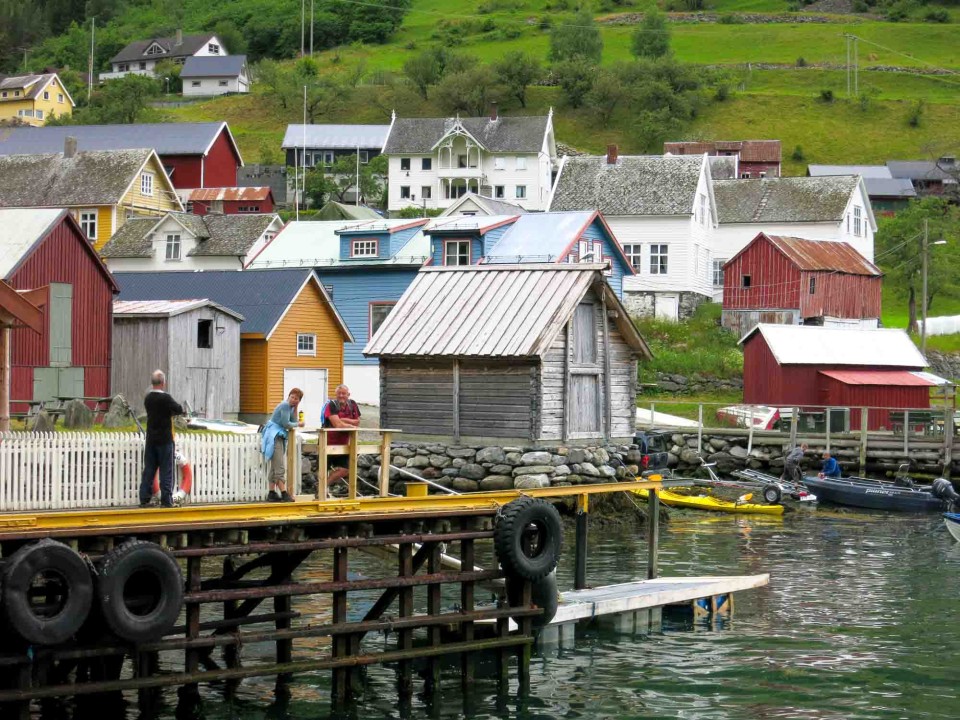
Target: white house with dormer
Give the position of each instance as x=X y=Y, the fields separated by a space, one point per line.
x=434 y=162
x=141 y=57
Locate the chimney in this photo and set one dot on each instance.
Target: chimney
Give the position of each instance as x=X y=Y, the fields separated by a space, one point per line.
x=179 y=37
x=612 y=154
x=69 y=146
x=493 y=111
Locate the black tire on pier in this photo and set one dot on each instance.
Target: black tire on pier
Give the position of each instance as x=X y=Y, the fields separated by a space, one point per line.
x=528 y=538
x=47 y=592
x=544 y=594
x=140 y=589
x=772 y=493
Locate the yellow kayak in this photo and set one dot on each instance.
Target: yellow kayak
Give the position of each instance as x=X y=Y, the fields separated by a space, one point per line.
x=707 y=502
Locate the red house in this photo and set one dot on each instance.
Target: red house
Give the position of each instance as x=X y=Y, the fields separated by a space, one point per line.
x=45 y=250
x=195 y=155
x=814 y=368
x=227 y=200
x=792 y=281
x=755 y=158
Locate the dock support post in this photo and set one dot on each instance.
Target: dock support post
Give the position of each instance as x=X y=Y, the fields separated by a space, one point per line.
x=433 y=608
x=794 y=424
x=864 y=422
x=750 y=433
x=525 y=651
x=906 y=435
x=385 y=464
x=189 y=694
x=352 y=465
x=947 y=434
x=466 y=604
x=321 y=464
x=340 y=566
x=580 y=566
x=281 y=606
x=405 y=679
x=293 y=463
x=653 y=536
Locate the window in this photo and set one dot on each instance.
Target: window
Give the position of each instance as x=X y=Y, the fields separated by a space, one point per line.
x=404 y=192
x=746 y=281
x=461 y=161
x=378 y=313
x=456 y=252
x=195 y=83
x=762 y=174
x=329 y=157
x=426 y=192
x=213 y=48
x=3 y=94
x=307 y=344
x=857 y=220
x=123 y=67
x=848 y=222
x=205 y=334
x=146 y=184
x=813 y=286
x=173 y=247
x=703 y=209
x=426 y=163
x=499 y=163
x=404 y=163
x=189 y=206
x=521 y=193
x=88 y=223
x=634 y=255
x=744 y=176
x=46 y=95
x=59 y=97
x=597 y=252
x=718 y=272
x=364 y=248
x=364 y=157
x=248 y=209
x=155 y=49
x=143 y=66
x=658 y=259
x=16 y=93
x=40 y=114
x=498 y=191
x=521 y=163
x=223 y=83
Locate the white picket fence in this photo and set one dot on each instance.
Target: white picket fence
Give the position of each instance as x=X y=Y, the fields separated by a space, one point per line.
x=53 y=471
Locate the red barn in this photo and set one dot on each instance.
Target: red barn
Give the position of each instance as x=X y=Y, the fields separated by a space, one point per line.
x=793 y=281
x=817 y=367
x=45 y=250
x=754 y=158
x=227 y=200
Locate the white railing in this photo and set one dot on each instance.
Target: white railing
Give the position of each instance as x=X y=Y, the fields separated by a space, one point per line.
x=52 y=471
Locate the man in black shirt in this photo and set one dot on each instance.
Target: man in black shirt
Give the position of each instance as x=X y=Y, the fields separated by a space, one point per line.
x=159 y=452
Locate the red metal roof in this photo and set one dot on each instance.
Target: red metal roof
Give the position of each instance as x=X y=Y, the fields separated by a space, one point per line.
x=899 y=378
x=228 y=193
x=823 y=255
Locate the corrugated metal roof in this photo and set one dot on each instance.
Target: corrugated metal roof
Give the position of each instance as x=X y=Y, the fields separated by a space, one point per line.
x=467 y=223
x=20 y=229
x=900 y=378
x=864 y=171
x=213 y=66
x=823 y=255
x=166 y=308
x=812 y=345
x=228 y=194
x=491 y=311
x=336 y=137
x=539 y=236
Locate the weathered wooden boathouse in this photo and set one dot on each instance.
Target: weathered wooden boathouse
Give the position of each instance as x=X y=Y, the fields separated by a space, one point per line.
x=538 y=352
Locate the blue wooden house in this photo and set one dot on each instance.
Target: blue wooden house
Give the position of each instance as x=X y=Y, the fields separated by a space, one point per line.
x=466 y=240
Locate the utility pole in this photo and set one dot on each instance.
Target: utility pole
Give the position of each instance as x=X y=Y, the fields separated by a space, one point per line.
x=303 y=14
x=856 y=66
x=93 y=30
x=847 y=38
x=357 y=195
x=311 y=28
x=923 y=299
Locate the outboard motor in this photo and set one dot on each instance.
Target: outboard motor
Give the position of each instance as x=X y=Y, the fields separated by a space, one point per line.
x=943 y=489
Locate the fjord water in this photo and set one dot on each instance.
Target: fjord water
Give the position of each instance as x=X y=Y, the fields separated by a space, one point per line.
x=859 y=621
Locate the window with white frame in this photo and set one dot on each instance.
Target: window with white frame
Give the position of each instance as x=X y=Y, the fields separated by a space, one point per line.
x=213 y=48
x=173 y=247
x=426 y=192
x=521 y=193
x=59 y=97
x=154 y=49
x=40 y=114
x=307 y=344
x=499 y=163
x=634 y=253
x=146 y=184
x=658 y=259
x=223 y=83
x=328 y=159
x=597 y=252
x=426 y=163
x=521 y=163
x=248 y=208
x=404 y=163
x=499 y=191
x=378 y=313
x=456 y=252
x=857 y=220
x=195 y=83
x=364 y=157
x=744 y=176
x=46 y=94
x=718 y=272
x=364 y=248
x=703 y=209
x=88 y=223
x=404 y=192
x=143 y=66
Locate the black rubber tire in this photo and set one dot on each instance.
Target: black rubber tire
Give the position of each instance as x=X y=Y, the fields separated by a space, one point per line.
x=544 y=594
x=69 y=570
x=772 y=494
x=145 y=568
x=511 y=538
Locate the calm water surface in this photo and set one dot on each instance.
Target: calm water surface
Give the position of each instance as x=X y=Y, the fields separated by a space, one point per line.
x=859 y=621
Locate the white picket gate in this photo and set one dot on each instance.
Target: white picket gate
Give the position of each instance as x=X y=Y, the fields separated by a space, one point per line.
x=53 y=471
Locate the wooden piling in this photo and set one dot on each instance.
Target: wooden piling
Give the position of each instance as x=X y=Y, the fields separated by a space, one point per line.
x=580 y=561
x=653 y=532
x=467 y=560
x=405 y=641
x=864 y=422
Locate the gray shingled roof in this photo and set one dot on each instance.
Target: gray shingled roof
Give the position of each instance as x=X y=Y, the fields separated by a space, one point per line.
x=165 y=138
x=790 y=199
x=220 y=235
x=131 y=240
x=88 y=178
x=920 y=170
x=136 y=49
x=636 y=185
x=213 y=66
x=506 y=134
x=19 y=82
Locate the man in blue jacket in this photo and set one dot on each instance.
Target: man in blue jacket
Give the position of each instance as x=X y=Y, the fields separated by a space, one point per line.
x=831 y=468
x=274 y=444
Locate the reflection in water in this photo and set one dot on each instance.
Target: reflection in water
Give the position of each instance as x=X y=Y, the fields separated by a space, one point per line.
x=857 y=622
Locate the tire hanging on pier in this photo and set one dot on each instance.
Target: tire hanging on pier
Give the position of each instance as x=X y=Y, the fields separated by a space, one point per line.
x=47 y=592
x=544 y=594
x=140 y=589
x=528 y=538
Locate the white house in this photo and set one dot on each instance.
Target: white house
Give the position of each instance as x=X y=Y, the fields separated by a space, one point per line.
x=141 y=57
x=662 y=211
x=834 y=208
x=433 y=162
x=215 y=75
x=473 y=204
x=183 y=241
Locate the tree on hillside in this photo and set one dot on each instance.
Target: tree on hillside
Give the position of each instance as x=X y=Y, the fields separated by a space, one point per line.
x=899 y=243
x=423 y=70
x=651 y=38
x=518 y=70
x=605 y=95
x=577 y=37
x=125 y=100
x=325 y=92
x=468 y=91
x=231 y=37
x=575 y=78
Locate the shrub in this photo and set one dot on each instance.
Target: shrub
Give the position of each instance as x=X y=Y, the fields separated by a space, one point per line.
x=899 y=11
x=915 y=113
x=651 y=38
x=721 y=92
x=936 y=15
x=798 y=155
x=801 y=62
x=731 y=19
x=860 y=6
x=826 y=95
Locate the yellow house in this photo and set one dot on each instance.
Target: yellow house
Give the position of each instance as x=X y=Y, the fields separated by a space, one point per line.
x=100 y=188
x=291 y=335
x=34 y=99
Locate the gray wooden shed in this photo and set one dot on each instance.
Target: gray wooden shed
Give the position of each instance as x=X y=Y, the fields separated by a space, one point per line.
x=195 y=342
x=534 y=352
